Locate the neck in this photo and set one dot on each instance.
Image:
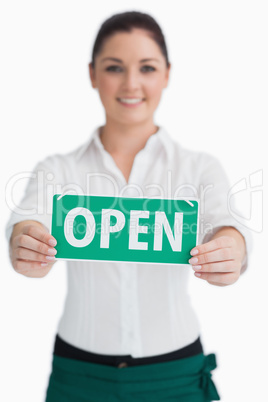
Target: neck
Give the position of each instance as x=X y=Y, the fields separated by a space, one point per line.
x=126 y=139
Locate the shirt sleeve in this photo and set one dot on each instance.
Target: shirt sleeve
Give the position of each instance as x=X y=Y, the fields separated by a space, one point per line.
x=36 y=203
x=215 y=209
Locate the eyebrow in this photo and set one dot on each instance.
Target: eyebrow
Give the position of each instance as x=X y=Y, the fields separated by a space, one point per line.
x=120 y=61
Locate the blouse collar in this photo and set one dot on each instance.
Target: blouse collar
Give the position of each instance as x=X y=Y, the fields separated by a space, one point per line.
x=161 y=137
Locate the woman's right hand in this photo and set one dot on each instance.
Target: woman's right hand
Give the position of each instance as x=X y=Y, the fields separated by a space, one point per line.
x=31 y=246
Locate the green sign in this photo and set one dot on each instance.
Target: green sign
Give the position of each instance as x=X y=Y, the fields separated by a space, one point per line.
x=144 y=230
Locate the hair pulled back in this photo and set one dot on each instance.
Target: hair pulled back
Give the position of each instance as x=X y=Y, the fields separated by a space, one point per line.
x=126 y=22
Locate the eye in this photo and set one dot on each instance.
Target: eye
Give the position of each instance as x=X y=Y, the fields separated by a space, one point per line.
x=153 y=69
x=111 y=68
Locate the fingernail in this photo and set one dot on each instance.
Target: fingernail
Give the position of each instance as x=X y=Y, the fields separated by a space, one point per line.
x=52 y=251
x=193 y=260
x=44 y=264
x=50 y=258
x=197 y=267
x=194 y=251
x=52 y=242
x=197 y=274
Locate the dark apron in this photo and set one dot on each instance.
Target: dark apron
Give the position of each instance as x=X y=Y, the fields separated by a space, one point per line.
x=182 y=380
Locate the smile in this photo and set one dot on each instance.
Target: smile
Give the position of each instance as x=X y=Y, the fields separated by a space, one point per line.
x=130 y=102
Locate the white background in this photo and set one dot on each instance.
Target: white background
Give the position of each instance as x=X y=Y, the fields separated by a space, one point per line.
x=216 y=101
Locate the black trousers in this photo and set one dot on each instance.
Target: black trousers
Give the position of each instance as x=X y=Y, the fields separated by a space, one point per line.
x=64 y=349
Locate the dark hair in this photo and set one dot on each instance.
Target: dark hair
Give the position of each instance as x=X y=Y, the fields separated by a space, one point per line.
x=125 y=22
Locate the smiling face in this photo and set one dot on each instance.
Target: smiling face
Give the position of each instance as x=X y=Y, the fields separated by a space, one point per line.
x=139 y=72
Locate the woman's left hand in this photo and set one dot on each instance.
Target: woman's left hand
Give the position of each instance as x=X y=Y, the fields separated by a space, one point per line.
x=218 y=261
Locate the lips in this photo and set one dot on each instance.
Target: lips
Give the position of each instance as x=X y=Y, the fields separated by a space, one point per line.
x=130 y=104
x=130 y=97
x=125 y=97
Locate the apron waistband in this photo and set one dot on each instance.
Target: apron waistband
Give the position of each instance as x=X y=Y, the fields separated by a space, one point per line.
x=65 y=349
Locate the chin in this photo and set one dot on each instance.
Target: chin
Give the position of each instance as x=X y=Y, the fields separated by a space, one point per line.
x=132 y=121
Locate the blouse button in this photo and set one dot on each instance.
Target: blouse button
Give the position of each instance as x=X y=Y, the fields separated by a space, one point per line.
x=121 y=365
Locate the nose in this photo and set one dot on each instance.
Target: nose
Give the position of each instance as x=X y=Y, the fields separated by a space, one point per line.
x=131 y=80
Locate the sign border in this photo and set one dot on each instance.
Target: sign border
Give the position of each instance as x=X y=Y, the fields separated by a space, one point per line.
x=186 y=199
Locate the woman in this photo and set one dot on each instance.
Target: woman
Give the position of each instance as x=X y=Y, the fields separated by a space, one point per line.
x=135 y=317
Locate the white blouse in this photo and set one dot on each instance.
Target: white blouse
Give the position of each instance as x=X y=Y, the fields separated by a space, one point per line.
x=130 y=308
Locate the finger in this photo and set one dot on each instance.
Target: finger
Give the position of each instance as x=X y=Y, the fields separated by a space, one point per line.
x=23 y=267
x=219 y=242
x=223 y=266
x=223 y=279
x=27 y=254
x=30 y=243
x=222 y=254
x=39 y=234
